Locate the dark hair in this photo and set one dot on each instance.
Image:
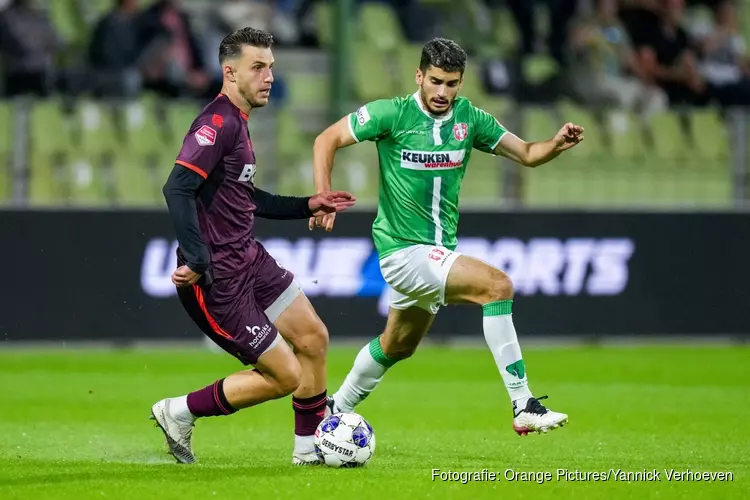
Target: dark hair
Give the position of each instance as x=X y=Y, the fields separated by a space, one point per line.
x=231 y=45
x=444 y=54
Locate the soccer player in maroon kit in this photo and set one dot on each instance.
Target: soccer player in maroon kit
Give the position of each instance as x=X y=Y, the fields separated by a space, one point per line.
x=230 y=286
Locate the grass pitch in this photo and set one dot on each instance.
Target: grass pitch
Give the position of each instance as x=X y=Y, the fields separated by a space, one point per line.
x=73 y=425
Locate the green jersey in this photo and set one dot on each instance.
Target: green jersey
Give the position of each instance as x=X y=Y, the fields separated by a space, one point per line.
x=422 y=160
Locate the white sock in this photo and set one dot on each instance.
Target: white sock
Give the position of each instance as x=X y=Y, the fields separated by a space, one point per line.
x=304 y=444
x=502 y=340
x=369 y=368
x=178 y=407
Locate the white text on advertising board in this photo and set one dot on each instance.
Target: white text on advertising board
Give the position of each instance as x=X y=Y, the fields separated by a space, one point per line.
x=347 y=267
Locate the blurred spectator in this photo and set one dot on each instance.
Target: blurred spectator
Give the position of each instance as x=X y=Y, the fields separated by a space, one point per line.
x=114 y=51
x=417 y=20
x=276 y=17
x=725 y=64
x=605 y=75
x=637 y=13
x=235 y=14
x=561 y=13
x=28 y=44
x=172 y=61
x=666 y=55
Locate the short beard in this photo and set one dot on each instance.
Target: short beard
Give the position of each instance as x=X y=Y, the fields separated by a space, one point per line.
x=255 y=104
x=251 y=100
x=426 y=103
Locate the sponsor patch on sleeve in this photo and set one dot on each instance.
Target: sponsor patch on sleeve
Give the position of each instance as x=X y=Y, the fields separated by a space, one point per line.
x=206 y=136
x=362 y=115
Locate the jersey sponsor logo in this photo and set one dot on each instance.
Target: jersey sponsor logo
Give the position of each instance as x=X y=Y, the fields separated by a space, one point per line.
x=363 y=116
x=259 y=334
x=460 y=131
x=206 y=136
x=425 y=160
x=248 y=173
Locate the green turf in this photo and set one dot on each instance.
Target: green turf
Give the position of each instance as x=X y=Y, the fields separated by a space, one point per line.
x=73 y=425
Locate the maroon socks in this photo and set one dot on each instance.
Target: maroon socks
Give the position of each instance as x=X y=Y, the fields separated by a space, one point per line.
x=209 y=401
x=308 y=413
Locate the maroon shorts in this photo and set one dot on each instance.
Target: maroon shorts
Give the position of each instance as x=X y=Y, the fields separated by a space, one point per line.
x=232 y=311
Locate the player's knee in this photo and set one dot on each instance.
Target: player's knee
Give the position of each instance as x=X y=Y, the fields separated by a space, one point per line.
x=288 y=381
x=500 y=287
x=315 y=342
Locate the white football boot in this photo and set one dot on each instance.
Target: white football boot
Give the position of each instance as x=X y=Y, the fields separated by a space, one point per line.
x=179 y=432
x=536 y=418
x=306 y=457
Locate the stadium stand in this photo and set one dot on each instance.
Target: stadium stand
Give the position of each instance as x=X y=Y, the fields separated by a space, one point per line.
x=87 y=152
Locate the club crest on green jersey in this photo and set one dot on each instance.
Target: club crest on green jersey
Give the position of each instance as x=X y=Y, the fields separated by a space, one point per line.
x=460 y=131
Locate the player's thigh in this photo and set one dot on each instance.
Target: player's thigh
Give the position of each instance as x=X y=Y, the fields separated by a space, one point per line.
x=300 y=325
x=417 y=276
x=405 y=329
x=471 y=281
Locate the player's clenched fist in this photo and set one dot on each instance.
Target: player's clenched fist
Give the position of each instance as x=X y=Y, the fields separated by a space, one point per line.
x=184 y=276
x=568 y=136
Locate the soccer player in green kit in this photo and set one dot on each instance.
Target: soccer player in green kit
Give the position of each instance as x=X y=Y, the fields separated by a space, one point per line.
x=424 y=143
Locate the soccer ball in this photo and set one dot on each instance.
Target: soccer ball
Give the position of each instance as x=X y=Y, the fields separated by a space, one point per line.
x=345 y=440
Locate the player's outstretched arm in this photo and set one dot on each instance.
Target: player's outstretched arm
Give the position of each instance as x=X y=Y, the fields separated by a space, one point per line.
x=533 y=154
x=332 y=139
x=273 y=206
x=329 y=141
x=180 y=192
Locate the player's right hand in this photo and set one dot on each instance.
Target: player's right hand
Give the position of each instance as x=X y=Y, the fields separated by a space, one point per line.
x=324 y=206
x=323 y=221
x=184 y=276
x=568 y=136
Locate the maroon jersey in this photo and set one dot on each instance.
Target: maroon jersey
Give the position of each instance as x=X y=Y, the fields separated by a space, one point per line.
x=218 y=148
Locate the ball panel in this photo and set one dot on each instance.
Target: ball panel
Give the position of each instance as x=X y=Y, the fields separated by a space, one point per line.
x=351 y=419
x=360 y=436
x=333 y=461
x=363 y=455
x=330 y=423
x=342 y=433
